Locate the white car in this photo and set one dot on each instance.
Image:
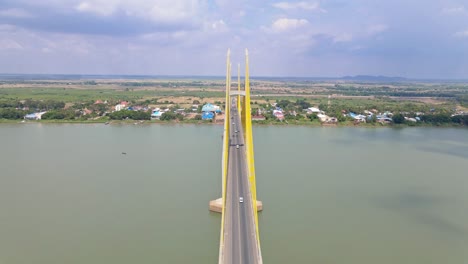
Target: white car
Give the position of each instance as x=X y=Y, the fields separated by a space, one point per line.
x=241 y=199
x=237 y=146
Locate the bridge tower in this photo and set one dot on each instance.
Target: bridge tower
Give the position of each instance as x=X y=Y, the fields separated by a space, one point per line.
x=243 y=109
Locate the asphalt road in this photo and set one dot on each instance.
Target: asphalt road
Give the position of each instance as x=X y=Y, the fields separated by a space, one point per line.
x=240 y=245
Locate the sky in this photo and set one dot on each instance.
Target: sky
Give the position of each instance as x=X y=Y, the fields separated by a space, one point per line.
x=327 y=38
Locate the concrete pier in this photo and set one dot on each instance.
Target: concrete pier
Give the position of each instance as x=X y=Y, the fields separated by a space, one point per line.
x=217 y=205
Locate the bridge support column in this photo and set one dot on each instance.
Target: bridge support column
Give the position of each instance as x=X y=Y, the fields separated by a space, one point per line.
x=217 y=205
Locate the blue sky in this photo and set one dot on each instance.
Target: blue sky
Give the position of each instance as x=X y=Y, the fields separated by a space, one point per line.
x=328 y=38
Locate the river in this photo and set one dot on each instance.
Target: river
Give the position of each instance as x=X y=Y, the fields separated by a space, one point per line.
x=95 y=193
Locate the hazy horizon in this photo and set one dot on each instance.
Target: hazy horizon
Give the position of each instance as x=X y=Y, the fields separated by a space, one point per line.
x=83 y=76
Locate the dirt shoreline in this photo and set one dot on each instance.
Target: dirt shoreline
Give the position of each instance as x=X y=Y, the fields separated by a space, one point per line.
x=277 y=124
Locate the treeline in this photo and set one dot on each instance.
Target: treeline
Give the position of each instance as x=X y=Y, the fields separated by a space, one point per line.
x=128 y=114
x=434 y=119
x=445 y=119
x=60 y=114
x=11 y=113
x=299 y=104
x=42 y=105
x=167 y=116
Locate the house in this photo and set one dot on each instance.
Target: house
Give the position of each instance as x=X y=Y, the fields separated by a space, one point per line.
x=326 y=119
x=156 y=114
x=277 y=111
x=357 y=118
x=207 y=115
x=211 y=108
x=87 y=111
x=278 y=114
x=322 y=117
x=136 y=108
x=120 y=107
x=258 y=118
x=34 y=116
x=180 y=111
x=383 y=119
x=312 y=110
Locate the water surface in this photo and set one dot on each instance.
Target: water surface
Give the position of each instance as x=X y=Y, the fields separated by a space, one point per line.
x=331 y=195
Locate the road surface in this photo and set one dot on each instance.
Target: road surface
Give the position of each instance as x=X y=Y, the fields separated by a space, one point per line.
x=240 y=244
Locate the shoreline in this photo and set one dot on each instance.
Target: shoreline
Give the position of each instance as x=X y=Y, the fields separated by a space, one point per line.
x=198 y=122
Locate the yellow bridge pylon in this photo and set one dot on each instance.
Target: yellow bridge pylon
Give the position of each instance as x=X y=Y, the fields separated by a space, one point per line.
x=244 y=109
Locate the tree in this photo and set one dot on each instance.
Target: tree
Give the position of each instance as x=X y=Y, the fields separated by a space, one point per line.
x=283 y=104
x=254 y=111
x=288 y=116
x=167 y=116
x=269 y=116
x=460 y=119
x=196 y=102
x=303 y=104
x=312 y=117
x=11 y=113
x=323 y=106
x=398 y=119
x=135 y=115
x=60 y=114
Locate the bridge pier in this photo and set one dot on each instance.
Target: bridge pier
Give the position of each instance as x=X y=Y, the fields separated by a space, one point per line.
x=217 y=205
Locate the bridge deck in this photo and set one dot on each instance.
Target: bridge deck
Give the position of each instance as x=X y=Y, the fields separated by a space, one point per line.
x=240 y=243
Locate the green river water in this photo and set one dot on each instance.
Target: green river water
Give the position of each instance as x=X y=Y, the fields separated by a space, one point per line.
x=331 y=195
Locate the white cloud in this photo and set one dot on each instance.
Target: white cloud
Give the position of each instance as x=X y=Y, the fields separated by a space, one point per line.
x=219 y=26
x=454 y=10
x=9 y=44
x=285 y=24
x=377 y=28
x=97 y=7
x=344 y=37
x=164 y=11
x=357 y=47
x=15 y=12
x=46 y=50
x=299 y=5
x=462 y=34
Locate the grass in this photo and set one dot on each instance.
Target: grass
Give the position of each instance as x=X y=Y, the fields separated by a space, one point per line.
x=70 y=95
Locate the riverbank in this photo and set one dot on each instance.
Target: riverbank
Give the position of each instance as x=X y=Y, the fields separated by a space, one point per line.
x=255 y=123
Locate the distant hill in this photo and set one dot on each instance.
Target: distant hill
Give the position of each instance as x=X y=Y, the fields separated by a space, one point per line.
x=372 y=78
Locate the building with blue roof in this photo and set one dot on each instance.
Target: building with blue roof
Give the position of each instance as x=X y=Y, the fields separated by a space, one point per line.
x=207 y=115
x=211 y=108
x=156 y=113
